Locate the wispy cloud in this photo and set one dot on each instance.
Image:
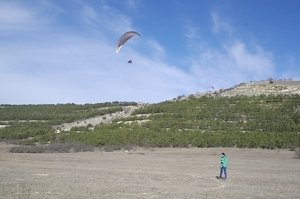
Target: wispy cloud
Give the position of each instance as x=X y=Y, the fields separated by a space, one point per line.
x=133 y=4
x=191 y=31
x=78 y=73
x=15 y=16
x=108 y=18
x=157 y=50
x=232 y=64
x=255 y=63
x=220 y=25
x=229 y=62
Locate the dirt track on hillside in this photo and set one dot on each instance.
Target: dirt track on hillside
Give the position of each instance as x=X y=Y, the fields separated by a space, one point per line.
x=150 y=173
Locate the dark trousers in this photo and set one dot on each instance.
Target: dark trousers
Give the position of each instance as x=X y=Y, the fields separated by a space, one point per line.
x=223 y=170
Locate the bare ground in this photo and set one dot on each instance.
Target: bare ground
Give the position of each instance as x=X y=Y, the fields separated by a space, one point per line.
x=93 y=121
x=150 y=173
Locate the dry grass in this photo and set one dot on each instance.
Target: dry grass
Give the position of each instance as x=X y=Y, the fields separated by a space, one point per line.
x=158 y=173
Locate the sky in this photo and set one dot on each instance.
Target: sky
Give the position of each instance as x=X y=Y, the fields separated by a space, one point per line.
x=63 y=51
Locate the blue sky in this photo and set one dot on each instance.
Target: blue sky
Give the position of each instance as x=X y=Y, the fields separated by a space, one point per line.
x=62 y=51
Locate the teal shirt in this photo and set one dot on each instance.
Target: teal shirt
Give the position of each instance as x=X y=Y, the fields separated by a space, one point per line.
x=224 y=161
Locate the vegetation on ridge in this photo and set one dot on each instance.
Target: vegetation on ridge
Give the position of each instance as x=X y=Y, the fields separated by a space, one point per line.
x=209 y=121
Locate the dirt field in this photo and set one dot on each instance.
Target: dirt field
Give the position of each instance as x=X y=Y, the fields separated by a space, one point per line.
x=150 y=173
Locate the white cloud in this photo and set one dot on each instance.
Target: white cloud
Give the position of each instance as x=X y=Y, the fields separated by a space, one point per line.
x=258 y=62
x=190 y=31
x=107 y=18
x=157 y=50
x=16 y=16
x=228 y=61
x=79 y=68
x=133 y=4
x=233 y=64
x=77 y=74
x=220 y=24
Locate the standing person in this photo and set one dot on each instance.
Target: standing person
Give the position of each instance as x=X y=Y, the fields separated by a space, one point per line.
x=224 y=164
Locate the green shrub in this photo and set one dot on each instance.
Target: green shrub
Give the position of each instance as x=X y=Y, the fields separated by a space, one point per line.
x=52 y=148
x=297 y=152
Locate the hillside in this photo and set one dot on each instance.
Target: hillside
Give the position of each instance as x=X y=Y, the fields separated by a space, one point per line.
x=249 y=89
x=257 y=114
x=267 y=87
x=270 y=87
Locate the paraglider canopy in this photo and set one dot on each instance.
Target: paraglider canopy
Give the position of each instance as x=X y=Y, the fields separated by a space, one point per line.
x=212 y=87
x=124 y=38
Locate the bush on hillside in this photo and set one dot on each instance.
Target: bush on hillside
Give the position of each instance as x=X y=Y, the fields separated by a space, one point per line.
x=52 y=148
x=297 y=152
